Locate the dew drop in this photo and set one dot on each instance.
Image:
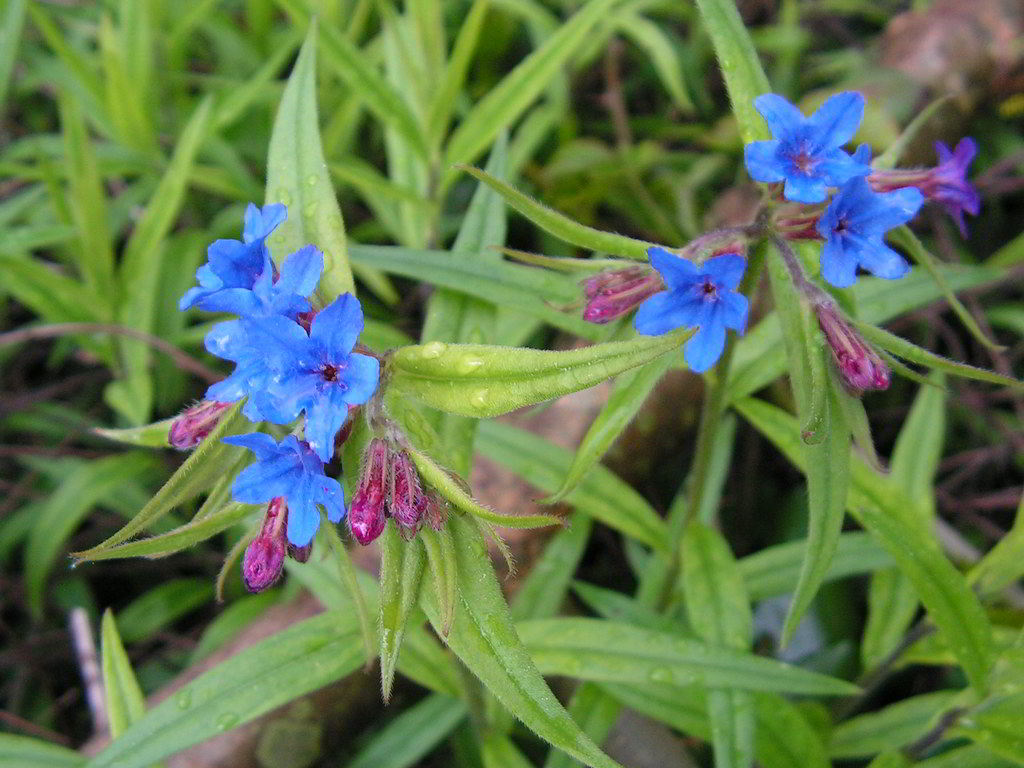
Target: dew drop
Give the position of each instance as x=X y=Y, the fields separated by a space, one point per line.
x=311 y=179
x=284 y=196
x=468 y=364
x=184 y=699
x=480 y=398
x=226 y=721
x=433 y=349
x=661 y=675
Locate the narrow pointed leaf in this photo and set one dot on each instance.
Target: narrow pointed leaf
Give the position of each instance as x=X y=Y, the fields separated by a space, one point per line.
x=125 y=704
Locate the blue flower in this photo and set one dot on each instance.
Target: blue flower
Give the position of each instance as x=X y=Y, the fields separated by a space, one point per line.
x=704 y=296
x=853 y=226
x=316 y=372
x=805 y=151
x=233 y=263
x=290 y=469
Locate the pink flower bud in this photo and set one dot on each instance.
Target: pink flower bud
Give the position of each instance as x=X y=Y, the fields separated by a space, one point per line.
x=366 y=514
x=195 y=423
x=613 y=294
x=408 y=503
x=861 y=367
x=264 y=557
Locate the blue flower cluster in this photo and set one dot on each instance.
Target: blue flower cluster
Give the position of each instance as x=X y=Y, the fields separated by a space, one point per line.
x=806 y=153
x=284 y=370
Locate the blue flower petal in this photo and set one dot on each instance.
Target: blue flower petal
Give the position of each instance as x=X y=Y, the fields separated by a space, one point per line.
x=675 y=271
x=704 y=347
x=324 y=418
x=666 y=311
x=837 y=168
x=278 y=340
x=259 y=223
x=836 y=121
x=881 y=260
x=303 y=517
x=762 y=161
x=734 y=311
x=838 y=267
x=726 y=270
x=782 y=117
x=301 y=271
x=226 y=340
x=328 y=493
x=236 y=264
x=360 y=377
x=264 y=446
x=896 y=208
x=804 y=189
x=238 y=301
x=338 y=326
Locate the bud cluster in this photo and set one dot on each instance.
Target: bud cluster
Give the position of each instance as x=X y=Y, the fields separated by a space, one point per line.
x=860 y=366
x=390 y=486
x=195 y=423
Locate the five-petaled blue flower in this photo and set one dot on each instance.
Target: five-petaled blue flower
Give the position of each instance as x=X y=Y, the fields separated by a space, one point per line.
x=290 y=469
x=283 y=297
x=805 y=152
x=234 y=263
x=853 y=226
x=316 y=372
x=704 y=296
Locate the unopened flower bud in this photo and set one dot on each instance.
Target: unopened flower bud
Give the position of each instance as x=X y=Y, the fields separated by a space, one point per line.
x=264 y=557
x=195 y=423
x=861 y=367
x=612 y=294
x=366 y=514
x=408 y=503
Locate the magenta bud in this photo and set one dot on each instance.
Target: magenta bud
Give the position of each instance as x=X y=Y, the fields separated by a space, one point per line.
x=861 y=367
x=264 y=557
x=366 y=514
x=612 y=294
x=195 y=423
x=408 y=503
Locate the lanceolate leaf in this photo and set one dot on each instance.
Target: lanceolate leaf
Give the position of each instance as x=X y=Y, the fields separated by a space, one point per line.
x=560 y=225
x=484 y=381
x=149 y=436
x=595 y=649
x=297 y=176
x=483 y=637
x=125 y=704
x=25 y=752
x=883 y=509
x=281 y=668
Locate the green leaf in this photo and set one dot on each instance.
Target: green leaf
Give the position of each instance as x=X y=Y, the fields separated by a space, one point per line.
x=162 y=606
x=662 y=54
x=998 y=726
x=630 y=392
x=1004 y=563
x=601 y=495
x=827 y=458
x=297 y=176
x=353 y=66
x=444 y=570
x=774 y=570
x=484 y=381
x=411 y=736
x=349 y=577
x=147 y=436
x=884 y=510
x=83 y=488
x=892 y=605
x=282 y=668
x=560 y=225
x=125 y=704
x=198 y=473
x=609 y=604
x=11 y=24
x=904 y=237
x=507 y=100
x=453 y=491
x=24 y=752
x=141 y=270
x=596 y=712
x=483 y=637
x=719 y=611
x=894 y=726
x=532 y=291
x=915 y=354
x=443 y=102
x=595 y=649
x=971 y=756
x=499 y=751
x=784 y=737
x=199 y=529
x=401 y=572
x=744 y=77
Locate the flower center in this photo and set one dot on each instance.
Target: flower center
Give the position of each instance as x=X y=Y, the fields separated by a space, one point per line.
x=802 y=159
x=330 y=372
x=708 y=290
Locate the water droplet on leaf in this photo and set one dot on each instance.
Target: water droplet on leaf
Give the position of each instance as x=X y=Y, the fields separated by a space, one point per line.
x=433 y=349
